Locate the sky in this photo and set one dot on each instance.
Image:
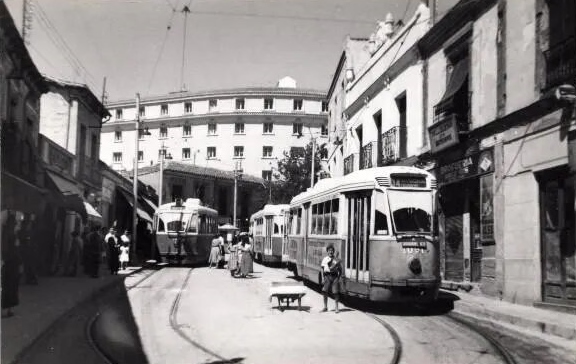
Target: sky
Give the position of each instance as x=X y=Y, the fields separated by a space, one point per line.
x=151 y=47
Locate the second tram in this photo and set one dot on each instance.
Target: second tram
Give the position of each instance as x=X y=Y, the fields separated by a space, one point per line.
x=268 y=227
x=381 y=223
x=183 y=231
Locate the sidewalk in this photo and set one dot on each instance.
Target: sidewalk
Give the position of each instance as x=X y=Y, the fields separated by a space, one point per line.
x=528 y=319
x=43 y=304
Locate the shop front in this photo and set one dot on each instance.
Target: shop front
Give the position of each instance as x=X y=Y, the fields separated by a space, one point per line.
x=466 y=213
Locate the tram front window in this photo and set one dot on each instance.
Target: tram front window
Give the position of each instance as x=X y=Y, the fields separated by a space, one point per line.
x=173 y=222
x=411 y=211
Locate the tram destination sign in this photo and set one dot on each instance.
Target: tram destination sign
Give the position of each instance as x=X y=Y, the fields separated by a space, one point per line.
x=408 y=181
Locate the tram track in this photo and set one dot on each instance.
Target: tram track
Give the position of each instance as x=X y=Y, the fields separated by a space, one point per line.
x=397 y=356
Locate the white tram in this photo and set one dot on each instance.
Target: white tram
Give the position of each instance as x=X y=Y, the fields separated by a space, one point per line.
x=183 y=231
x=381 y=223
x=268 y=226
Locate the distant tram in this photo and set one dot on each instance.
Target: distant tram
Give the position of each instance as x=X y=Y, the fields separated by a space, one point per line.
x=269 y=229
x=183 y=231
x=380 y=222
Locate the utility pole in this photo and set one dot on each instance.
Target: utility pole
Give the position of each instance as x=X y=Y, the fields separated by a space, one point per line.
x=186 y=11
x=135 y=183
x=237 y=175
x=313 y=160
x=104 y=92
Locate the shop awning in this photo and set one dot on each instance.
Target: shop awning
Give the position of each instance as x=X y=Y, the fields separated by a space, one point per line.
x=130 y=199
x=68 y=193
x=91 y=211
x=457 y=79
x=151 y=204
x=65 y=186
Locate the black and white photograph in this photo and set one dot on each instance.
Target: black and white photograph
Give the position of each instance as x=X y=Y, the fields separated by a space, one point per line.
x=288 y=181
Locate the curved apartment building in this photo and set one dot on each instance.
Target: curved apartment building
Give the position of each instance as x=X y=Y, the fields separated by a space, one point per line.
x=245 y=128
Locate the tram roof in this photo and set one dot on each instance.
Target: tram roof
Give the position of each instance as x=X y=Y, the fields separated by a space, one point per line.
x=188 y=205
x=270 y=209
x=357 y=180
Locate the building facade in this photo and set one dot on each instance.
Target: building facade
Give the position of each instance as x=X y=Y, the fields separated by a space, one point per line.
x=241 y=129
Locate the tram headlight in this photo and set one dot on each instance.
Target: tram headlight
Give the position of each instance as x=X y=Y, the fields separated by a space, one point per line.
x=415 y=266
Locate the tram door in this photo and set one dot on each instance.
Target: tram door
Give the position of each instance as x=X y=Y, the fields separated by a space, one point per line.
x=268 y=236
x=357 y=259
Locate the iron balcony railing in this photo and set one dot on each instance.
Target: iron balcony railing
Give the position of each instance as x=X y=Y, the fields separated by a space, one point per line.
x=561 y=62
x=349 y=164
x=366 y=155
x=90 y=172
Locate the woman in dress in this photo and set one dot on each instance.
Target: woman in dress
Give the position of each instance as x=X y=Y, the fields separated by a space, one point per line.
x=124 y=255
x=112 y=252
x=246 y=262
x=233 y=249
x=74 y=254
x=214 y=257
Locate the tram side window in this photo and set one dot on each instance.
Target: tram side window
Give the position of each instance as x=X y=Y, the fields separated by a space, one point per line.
x=202 y=229
x=314 y=215
x=193 y=224
x=334 y=217
x=161 y=226
x=326 y=227
x=299 y=222
x=380 y=218
x=276 y=229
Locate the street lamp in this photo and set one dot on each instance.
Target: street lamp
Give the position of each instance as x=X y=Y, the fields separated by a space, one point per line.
x=237 y=176
x=160 y=185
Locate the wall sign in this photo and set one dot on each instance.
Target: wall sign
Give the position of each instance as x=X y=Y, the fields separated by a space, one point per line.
x=443 y=134
x=486 y=208
x=472 y=166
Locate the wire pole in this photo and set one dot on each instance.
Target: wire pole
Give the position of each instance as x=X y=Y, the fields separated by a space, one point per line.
x=135 y=183
x=313 y=160
x=185 y=10
x=235 y=192
x=161 y=176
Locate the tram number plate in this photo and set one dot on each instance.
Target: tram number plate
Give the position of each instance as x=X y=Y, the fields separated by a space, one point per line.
x=410 y=247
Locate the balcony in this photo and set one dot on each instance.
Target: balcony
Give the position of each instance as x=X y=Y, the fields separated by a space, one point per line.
x=561 y=63
x=19 y=157
x=366 y=155
x=391 y=145
x=349 y=164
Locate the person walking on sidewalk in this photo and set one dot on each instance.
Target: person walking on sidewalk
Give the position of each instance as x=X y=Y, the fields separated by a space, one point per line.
x=332 y=270
x=246 y=261
x=93 y=249
x=73 y=255
x=11 y=266
x=112 y=251
x=28 y=249
x=124 y=249
x=214 y=257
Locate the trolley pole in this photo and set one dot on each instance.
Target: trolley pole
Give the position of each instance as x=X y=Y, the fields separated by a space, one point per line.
x=135 y=183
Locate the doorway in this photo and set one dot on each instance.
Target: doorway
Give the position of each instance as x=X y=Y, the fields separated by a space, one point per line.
x=357 y=250
x=558 y=242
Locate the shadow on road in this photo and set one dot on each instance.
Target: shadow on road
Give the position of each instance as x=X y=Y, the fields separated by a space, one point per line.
x=292 y=308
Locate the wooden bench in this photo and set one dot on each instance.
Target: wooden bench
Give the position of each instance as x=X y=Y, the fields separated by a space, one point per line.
x=287 y=292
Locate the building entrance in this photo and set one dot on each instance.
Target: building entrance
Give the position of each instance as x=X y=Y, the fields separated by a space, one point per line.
x=558 y=244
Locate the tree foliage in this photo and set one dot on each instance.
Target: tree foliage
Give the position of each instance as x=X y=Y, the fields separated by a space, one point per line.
x=293 y=174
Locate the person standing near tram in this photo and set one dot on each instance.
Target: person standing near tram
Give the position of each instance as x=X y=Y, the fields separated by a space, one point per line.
x=332 y=270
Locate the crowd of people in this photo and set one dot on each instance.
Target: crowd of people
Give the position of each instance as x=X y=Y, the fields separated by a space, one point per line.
x=87 y=249
x=240 y=253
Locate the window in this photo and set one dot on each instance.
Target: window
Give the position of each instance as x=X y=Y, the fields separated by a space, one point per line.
x=164 y=109
x=212 y=129
x=117 y=136
x=324 y=106
x=163 y=132
x=297 y=128
x=380 y=219
x=212 y=104
x=185 y=153
x=239 y=128
x=239 y=104
x=268 y=104
x=162 y=153
x=118 y=114
x=268 y=128
x=267 y=175
x=140 y=156
x=267 y=152
x=297 y=152
x=187 y=130
x=142 y=111
x=141 y=133
x=325 y=217
x=188 y=107
x=324 y=130
x=117 y=157
x=211 y=152
x=238 y=152
x=297 y=104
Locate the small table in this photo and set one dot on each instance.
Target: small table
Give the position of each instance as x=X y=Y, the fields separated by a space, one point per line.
x=287 y=292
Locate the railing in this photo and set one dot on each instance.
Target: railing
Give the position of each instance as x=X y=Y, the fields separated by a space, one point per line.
x=19 y=157
x=561 y=62
x=391 y=145
x=366 y=155
x=349 y=164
